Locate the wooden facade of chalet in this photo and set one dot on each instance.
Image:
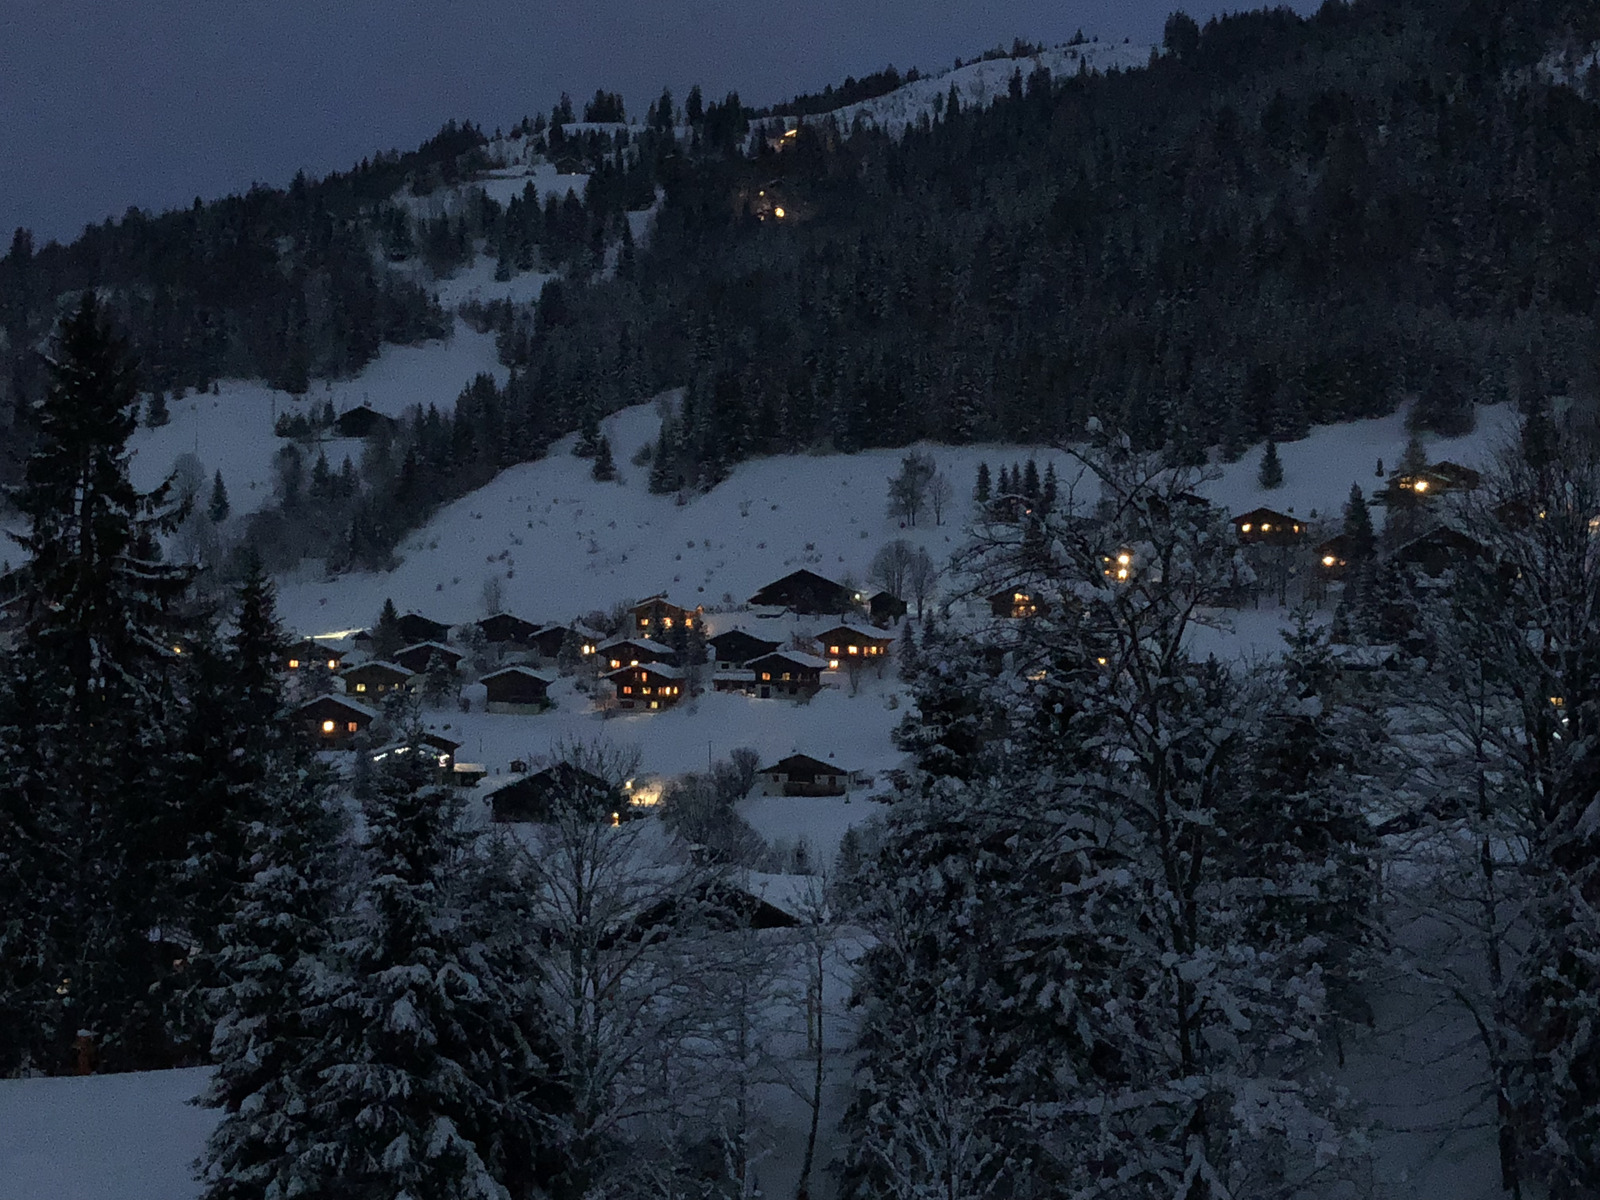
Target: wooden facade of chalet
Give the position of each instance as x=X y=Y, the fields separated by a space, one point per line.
x=647 y=687
x=517 y=690
x=802 y=775
x=427 y=656
x=416 y=628
x=629 y=652
x=332 y=722
x=844 y=644
x=363 y=422
x=1015 y=603
x=503 y=629
x=807 y=594
x=786 y=675
x=658 y=617
x=1268 y=527
x=1438 y=550
x=308 y=655
x=736 y=647
x=1436 y=479
x=532 y=797
x=547 y=641
x=885 y=608
x=372 y=679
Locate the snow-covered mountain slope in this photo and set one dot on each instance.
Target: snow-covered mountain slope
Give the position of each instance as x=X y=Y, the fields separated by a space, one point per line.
x=979 y=84
x=232 y=430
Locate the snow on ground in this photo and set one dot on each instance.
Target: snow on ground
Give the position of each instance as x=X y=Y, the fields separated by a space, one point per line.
x=232 y=431
x=980 y=84
x=477 y=283
x=107 y=1137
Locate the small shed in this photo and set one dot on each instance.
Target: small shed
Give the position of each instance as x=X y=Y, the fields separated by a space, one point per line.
x=736 y=647
x=332 y=722
x=885 y=608
x=363 y=422
x=802 y=775
x=503 y=629
x=786 y=674
x=376 y=679
x=1265 y=526
x=517 y=690
x=807 y=594
x=426 y=656
x=647 y=686
x=844 y=644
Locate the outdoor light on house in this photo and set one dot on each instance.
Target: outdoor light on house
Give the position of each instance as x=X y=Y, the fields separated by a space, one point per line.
x=1328 y=560
x=778 y=212
x=1420 y=485
x=327 y=727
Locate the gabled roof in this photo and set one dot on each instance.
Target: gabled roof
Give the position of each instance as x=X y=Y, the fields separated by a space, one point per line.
x=661 y=669
x=309 y=644
x=1271 y=516
x=433 y=647
x=797 y=657
x=344 y=702
x=803 y=764
x=378 y=665
x=523 y=672
x=860 y=631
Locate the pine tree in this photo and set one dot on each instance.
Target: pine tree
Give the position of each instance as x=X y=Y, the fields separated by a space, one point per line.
x=427 y=1061
x=980 y=492
x=604 y=469
x=219 y=508
x=155 y=413
x=95 y=660
x=1030 y=480
x=1047 y=496
x=386 y=636
x=1271 y=473
x=1358 y=526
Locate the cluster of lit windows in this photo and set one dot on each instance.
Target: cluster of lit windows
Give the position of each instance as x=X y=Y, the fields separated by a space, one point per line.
x=1121 y=567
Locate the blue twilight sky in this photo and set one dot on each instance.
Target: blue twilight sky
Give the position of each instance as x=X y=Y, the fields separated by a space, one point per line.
x=111 y=103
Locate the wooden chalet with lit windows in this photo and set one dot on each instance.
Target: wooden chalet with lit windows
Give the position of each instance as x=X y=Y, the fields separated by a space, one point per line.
x=1265 y=526
x=309 y=654
x=428 y=656
x=1437 y=479
x=658 y=617
x=629 y=652
x=517 y=690
x=1015 y=603
x=503 y=629
x=334 y=721
x=806 y=593
x=736 y=647
x=647 y=686
x=845 y=644
x=802 y=775
x=416 y=628
x=374 y=679
x=1334 y=557
x=785 y=675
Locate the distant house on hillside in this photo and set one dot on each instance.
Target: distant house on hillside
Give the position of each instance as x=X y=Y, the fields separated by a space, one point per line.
x=658 y=617
x=627 y=652
x=503 y=629
x=1265 y=526
x=372 y=679
x=416 y=628
x=363 y=422
x=807 y=594
x=647 y=686
x=440 y=748
x=885 y=608
x=1438 y=479
x=1334 y=555
x=736 y=647
x=332 y=722
x=531 y=797
x=786 y=674
x=802 y=775
x=426 y=656
x=1015 y=603
x=847 y=643
x=517 y=690
x=1441 y=548
x=307 y=654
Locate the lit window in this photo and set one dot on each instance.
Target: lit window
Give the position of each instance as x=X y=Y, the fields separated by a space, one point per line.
x=1245 y=528
x=1558 y=701
x=361 y=687
x=327 y=727
x=294 y=664
x=786 y=676
x=333 y=664
x=616 y=819
x=1124 y=559
x=627 y=691
x=1266 y=528
x=778 y=212
x=833 y=649
x=854 y=649
x=644 y=691
x=766 y=676
x=655 y=704
x=351 y=727
x=1421 y=485
x=1101 y=661
x=833 y=664
x=1328 y=560
x=666 y=622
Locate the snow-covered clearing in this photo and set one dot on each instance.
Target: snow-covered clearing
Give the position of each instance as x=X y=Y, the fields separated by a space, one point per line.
x=232 y=430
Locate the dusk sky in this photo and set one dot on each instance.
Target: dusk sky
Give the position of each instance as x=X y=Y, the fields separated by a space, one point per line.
x=110 y=103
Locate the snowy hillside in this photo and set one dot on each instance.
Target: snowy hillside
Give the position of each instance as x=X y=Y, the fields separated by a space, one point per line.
x=232 y=431
x=980 y=84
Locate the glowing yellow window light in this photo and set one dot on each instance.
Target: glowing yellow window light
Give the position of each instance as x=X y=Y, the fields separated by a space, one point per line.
x=327 y=727
x=1328 y=560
